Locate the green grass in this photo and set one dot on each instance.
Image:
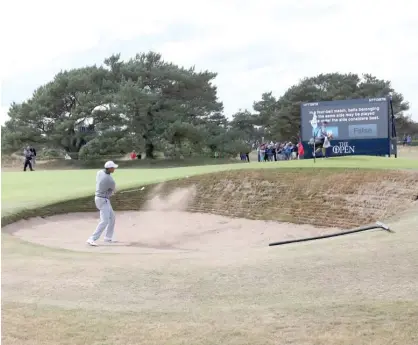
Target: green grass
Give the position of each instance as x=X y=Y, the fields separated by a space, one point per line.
x=22 y=190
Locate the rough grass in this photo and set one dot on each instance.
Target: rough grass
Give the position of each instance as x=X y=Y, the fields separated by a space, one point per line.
x=360 y=289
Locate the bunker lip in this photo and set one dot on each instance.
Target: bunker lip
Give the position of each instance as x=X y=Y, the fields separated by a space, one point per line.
x=158 y=232
x=333 y=198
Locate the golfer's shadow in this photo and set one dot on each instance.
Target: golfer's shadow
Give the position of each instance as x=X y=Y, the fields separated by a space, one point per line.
x=161 y=246
x=116 y=244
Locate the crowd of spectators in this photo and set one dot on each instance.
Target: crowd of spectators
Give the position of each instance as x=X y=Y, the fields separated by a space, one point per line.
x=271 y=152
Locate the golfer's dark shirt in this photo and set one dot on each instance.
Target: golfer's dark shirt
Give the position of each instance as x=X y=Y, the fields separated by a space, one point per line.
x=27 y=154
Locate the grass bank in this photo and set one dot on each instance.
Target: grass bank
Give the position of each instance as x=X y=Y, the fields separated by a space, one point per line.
x=324 y=197
x=30 y=190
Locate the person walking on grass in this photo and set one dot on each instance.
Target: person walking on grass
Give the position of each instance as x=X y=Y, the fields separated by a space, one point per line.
x=105 y=188
x=27 y=153
x=32 y=149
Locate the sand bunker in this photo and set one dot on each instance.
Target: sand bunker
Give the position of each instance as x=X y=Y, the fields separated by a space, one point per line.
x=159 y=231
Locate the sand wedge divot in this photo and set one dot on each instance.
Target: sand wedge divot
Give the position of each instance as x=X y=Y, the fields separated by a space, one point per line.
x=377 y=225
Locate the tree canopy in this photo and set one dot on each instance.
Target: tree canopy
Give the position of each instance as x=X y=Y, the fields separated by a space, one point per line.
x=149 y=104
x=144 y=103
x=281 y=117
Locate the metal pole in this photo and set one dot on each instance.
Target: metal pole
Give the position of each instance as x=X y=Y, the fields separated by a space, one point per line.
x=393 y=129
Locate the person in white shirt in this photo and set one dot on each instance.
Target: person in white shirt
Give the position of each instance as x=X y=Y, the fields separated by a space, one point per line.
x=105 y=187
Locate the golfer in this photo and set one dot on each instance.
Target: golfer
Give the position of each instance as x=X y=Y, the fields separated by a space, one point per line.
x=105 y=187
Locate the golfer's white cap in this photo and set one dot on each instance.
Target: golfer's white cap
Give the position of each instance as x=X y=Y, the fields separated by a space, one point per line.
x=110 y=164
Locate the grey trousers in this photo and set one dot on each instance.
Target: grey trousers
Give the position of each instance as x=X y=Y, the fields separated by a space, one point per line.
x=107 y=219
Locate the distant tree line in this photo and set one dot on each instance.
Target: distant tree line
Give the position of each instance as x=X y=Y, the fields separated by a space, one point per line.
x=151 y=105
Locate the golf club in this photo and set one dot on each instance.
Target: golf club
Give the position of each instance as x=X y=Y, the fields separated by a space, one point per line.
x=132 y=190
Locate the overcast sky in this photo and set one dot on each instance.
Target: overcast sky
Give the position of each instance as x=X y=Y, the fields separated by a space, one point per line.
x=254 y=45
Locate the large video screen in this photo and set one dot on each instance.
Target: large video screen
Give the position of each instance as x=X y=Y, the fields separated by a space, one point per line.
x=346 y=119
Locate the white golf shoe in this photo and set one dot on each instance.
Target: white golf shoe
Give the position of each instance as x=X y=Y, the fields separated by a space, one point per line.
x=91 y=243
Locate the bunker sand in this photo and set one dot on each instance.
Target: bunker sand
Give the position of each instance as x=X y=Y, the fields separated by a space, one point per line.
x=157 y=231
x=358 y=289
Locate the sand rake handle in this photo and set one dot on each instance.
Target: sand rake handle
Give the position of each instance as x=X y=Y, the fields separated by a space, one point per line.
x=377 y=225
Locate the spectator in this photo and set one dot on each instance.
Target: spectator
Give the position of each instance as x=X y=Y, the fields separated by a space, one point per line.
x=274 y=152
x=288 y=151
x=247 y=156
x=280 y=152
x=133 y=155
x=33 y=151
x=294 y=151
x=409 y=140
x=262 y=152
x=301 y=151
x=27 y=153
x=270 y=153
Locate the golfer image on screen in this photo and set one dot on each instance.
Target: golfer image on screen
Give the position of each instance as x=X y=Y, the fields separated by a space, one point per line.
x=105 y=188
x=321 y=137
